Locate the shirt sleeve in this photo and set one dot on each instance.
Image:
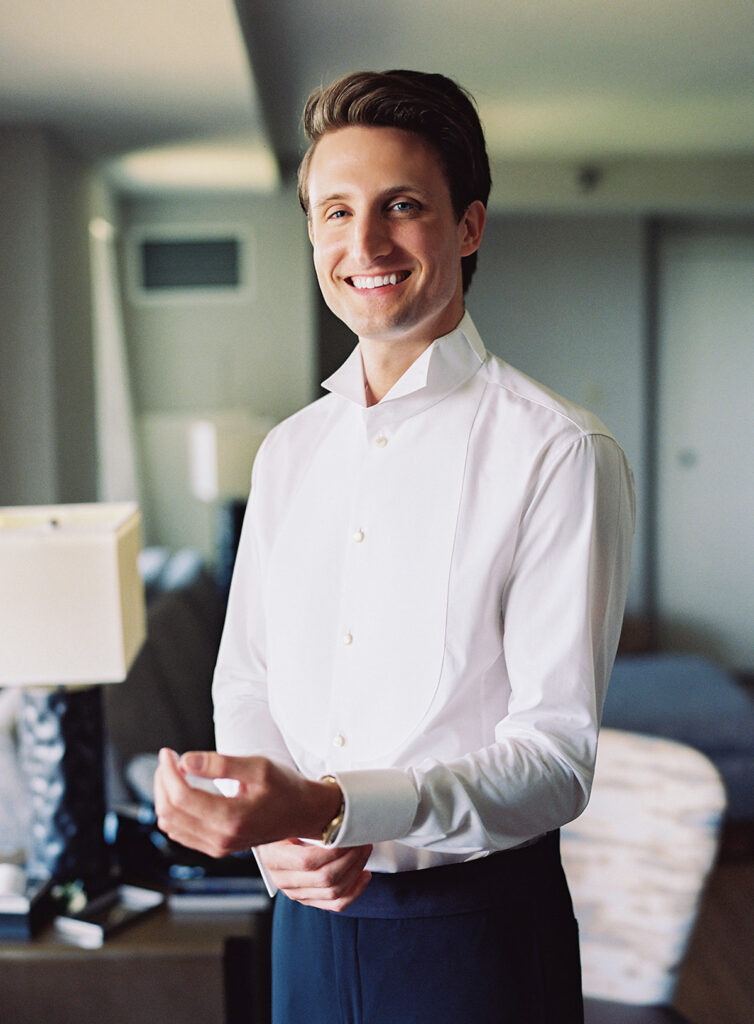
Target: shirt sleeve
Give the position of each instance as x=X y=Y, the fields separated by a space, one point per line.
x=562 y=609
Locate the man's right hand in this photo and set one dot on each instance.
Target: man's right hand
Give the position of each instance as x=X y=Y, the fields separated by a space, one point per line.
x=326 y=877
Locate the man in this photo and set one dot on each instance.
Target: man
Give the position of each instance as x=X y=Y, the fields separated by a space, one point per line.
x=424 y=613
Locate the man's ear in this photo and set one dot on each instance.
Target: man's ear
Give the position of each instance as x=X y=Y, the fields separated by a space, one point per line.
x=471 y=227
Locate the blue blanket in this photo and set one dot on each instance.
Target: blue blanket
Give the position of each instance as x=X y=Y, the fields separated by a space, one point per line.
x=692 y=700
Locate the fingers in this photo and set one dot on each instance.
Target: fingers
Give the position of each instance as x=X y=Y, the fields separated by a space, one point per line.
x=325 y=877
x=171 y=786
x=349 y=886
x=321 y=877
x=208 y=764
x=297 y=857
x=187 y=815
x=272 y=801
x=267 y=806
x=169 y=783
x=341 y=902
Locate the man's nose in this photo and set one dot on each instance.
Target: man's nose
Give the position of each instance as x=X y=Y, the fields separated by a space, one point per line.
x=371 y=238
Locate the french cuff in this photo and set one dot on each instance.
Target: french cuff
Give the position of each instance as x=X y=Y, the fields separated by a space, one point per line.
x=271 y=887
x=380 y=804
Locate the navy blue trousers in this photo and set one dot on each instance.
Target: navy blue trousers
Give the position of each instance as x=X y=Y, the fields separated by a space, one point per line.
x=491 y=941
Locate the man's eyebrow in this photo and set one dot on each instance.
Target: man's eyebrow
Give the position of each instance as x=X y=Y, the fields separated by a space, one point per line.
x=415 y=190
x=334 y=197
x=387 y=193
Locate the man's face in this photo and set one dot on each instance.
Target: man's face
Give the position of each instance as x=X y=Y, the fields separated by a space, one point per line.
x=387 y=247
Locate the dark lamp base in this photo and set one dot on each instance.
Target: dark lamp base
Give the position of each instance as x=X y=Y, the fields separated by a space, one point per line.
x=61 y=741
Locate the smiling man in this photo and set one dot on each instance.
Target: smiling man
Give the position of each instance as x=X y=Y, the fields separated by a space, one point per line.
x=387 y=244
x=424 y=613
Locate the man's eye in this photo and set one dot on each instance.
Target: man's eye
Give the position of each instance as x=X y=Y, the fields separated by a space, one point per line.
x=404 y=206
x=337 y=214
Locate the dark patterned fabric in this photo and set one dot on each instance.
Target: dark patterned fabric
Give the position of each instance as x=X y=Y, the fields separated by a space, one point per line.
x=61 y=752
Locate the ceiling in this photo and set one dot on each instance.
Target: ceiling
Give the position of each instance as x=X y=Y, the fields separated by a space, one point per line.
x=552 y=77
x=210 y=92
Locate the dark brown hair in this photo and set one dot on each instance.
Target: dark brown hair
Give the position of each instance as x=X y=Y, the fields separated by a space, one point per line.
x=429 y=105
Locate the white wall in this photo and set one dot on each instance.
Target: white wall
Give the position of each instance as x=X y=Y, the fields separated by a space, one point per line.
x=47 y=438
x=706 y=457
x=562 y=298
x=196 y=353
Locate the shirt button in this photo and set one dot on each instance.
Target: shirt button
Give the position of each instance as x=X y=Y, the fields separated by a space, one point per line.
x=380 y=440
x=347 y=639
x=339 y=740
x=358 y=536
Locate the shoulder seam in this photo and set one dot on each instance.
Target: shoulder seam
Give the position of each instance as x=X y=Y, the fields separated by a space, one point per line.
x=583 y=431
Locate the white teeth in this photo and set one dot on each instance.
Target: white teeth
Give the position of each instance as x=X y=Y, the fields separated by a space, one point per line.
x=375 y=282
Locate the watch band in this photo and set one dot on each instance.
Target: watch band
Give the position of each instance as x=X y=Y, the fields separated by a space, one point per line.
x=331 y=830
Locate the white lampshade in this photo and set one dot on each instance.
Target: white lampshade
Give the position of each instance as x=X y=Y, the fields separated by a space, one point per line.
x=71 y=597
x=222 y=447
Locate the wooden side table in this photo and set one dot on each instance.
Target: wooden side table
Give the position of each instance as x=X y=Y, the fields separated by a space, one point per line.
x=210 y=968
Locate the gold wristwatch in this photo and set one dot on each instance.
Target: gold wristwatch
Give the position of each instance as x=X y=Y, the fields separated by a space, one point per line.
x=331 y=829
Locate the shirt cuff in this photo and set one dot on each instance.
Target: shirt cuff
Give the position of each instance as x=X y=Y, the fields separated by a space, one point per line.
x=271 y=887
x=380 y=804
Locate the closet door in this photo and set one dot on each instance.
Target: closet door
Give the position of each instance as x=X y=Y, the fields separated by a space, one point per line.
x=705 y=540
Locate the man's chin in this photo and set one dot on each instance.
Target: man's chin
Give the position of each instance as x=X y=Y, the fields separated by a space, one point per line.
x=387 y=327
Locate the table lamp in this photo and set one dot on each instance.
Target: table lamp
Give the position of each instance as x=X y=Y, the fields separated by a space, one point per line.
x=71 y=618
x=222 y=447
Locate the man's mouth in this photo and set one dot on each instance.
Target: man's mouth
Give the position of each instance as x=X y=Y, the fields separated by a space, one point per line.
x=378 y=280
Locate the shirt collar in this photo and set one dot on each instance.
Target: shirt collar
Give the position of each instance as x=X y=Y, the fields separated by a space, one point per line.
x=446 y=364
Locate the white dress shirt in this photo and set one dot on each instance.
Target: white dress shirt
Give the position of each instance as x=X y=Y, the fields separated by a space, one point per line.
x=427 y=601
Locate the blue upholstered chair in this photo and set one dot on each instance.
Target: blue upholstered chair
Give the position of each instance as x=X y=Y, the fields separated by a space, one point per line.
x=636 y=862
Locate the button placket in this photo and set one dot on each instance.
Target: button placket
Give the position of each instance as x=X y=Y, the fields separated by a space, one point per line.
x=339 y=752
x=365 y=490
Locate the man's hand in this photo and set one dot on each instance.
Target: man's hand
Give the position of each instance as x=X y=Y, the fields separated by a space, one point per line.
x=329 y=878
x=273 y=802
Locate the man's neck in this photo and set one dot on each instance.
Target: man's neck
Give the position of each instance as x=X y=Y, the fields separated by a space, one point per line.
x=385 y=363
x=386 y=360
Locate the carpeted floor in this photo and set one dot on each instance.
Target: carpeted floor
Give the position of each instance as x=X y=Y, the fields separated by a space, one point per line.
x=717 y=979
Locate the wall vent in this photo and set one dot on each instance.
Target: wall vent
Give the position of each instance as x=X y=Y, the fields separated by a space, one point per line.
x=176 y=263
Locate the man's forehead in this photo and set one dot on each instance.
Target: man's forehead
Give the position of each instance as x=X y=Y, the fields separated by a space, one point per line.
x=345 y=158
